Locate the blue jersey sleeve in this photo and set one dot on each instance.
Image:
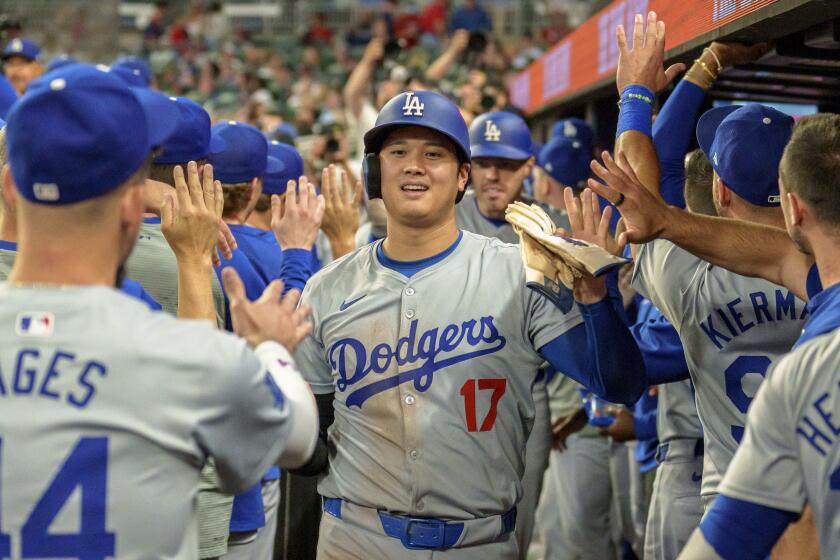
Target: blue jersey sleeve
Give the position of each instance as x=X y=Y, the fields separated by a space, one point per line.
x=610 y=364
x=741 y=530
x=661 y=350
x=672 y=135
x=813 y=284
x=296 y=268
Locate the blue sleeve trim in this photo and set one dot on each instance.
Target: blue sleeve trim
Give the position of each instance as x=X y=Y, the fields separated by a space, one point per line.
x=611 y=365
x=742 y=530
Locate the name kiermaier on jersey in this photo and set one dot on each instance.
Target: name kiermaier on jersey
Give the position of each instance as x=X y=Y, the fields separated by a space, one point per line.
x=352 y=361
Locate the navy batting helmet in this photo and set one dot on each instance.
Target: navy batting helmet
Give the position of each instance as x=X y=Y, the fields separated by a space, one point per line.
x=413 y=108
x=500 y=135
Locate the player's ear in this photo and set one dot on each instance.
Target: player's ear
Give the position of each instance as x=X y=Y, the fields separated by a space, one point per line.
x=721 y=192
x=463 y=176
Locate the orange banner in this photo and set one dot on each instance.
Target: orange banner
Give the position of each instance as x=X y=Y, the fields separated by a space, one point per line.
x=590 y=54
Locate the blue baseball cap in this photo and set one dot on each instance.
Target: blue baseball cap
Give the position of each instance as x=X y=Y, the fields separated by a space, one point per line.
x=286 y=129
x=566 y=161
x=79 y=132
x=26 y=48
x=500 y=135
x=134 y=69
x=574 y=128
x=291 y=167
x=745 y=145
x=192 y=140
x=245 y=155
x=59 y=61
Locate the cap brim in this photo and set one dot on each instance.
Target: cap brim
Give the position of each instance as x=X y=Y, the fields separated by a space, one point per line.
x=500 y=151
x=708 y=124
x=217 y=145
x=274 y=165
x=162 y=114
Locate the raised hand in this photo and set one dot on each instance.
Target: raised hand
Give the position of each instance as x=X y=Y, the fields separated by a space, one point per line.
x=644 y=214
x=643 y=63
x=735 y=54
x=190 y=216
x=271 y=317
x=295 y=219
x=589 y=223
x=341 y=211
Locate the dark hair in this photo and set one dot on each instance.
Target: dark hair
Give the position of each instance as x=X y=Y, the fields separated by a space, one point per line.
x=263 y=203
x=235 y=196
x=698 y=184
x=164 y=172
x=810 y=166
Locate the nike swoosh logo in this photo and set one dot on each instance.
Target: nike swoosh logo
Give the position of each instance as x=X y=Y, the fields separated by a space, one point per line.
x=345 y=304
x=696 y=477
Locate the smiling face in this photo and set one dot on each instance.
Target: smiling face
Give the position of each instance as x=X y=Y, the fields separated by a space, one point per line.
x=421 y=176
x=498 y=182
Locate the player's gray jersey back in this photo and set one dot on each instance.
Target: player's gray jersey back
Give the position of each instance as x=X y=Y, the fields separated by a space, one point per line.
x=432 y=376
x=107 y=413
x=790 y=453
x=152 y=263
x=732 y=328
x=469 y=218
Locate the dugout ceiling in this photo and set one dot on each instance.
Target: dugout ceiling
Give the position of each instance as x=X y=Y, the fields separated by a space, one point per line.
x=804 y=66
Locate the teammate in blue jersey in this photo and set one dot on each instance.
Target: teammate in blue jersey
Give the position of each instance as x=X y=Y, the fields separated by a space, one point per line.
x=103 y=399
x=240 y=168
x=290 y=259
x=402 y=331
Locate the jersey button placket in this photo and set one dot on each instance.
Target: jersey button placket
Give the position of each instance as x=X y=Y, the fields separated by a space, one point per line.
x=409 y=400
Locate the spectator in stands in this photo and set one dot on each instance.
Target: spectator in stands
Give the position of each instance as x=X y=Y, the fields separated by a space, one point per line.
x=471 y=17
x=318 y=30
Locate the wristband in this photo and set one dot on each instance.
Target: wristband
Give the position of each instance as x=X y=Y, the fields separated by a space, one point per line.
x=636 y=113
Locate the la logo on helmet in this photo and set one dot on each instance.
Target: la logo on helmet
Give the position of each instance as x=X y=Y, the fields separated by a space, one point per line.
x=413 y=106
x=492 y=132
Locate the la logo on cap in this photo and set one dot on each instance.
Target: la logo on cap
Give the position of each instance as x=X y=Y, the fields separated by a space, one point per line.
x=17 y=45
x=413 y=106
x=569 y=130
x=492 y=132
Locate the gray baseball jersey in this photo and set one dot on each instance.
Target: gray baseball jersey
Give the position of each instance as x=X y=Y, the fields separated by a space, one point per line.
x=7 y=260
x=732 y=328
x=790 y=454
x=469 y=218
x=432 y=377
x=101 y=395
x=153 y=264
x=676 y=412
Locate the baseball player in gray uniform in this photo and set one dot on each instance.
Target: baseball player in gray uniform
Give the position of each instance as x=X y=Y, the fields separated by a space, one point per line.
x=732 y=327
x=425 y=350
x=102 y=443
x=789 y=457
x=500 y=144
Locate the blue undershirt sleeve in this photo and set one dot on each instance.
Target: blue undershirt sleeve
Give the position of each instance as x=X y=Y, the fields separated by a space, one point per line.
x=672 y=135
x=611 y=365
x=295 y=269
x=743 y=530
x=661 y=350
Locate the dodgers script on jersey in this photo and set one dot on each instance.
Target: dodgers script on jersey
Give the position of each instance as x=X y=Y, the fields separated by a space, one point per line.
x=732 y=328
x=107 y=413
x=469 y=218
x=432 y=377
x=790 y=455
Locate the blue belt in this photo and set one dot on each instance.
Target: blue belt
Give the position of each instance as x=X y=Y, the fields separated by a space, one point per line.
x=422 y=533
